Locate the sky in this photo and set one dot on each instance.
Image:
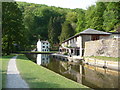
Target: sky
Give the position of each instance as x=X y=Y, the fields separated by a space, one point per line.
x=84 y=4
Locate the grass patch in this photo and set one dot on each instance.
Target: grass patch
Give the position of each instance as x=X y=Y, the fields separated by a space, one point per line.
x=36 y=52
x=4 y=60
x=39 y=77
x=105 y=58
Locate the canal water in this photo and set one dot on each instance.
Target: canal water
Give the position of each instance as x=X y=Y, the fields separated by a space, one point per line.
x=93 y=77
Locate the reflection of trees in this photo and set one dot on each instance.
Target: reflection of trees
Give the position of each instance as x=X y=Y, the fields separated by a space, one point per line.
x=31 y=57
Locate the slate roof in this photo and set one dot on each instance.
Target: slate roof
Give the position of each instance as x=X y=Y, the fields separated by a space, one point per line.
x=44 y=41
x=89 y=31
x=92 y=31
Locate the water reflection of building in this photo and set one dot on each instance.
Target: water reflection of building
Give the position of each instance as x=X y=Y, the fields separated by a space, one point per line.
x=42 y=59
x=90 y=76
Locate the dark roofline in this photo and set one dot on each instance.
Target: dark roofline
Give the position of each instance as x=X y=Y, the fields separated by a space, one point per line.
x=114 y=32
x=81 y=33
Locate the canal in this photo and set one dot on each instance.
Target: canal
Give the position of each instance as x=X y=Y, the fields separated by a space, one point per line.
x=93 y=77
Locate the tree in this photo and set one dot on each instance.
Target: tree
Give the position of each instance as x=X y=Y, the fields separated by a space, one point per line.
x=111 y=16
x=54 y=29
x=67 y=31
x=12 y=28
x=89 y=14
x=97 y=20
x=81 y=21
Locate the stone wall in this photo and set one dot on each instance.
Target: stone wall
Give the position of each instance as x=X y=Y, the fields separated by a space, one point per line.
x=103 y=47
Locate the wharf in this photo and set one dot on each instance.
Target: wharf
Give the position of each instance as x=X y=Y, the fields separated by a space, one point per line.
x=73 y=58
x=90 y=61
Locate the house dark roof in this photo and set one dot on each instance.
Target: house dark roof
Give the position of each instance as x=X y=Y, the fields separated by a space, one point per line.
x=114 y=32
x=44 y=41
x=92 y=31
x=89 y=31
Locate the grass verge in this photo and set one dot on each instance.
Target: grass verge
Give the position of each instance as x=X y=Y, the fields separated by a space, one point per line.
x=105 y=58
x=4 y=60
x=36 y=52
x=39 y=77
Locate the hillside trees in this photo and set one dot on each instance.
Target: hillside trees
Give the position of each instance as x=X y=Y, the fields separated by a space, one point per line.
x=67 y=31
x=54 y=29
x=13 y=35
x=111 y=16
x=81 y=21
x=56 y=24
x=97 y=20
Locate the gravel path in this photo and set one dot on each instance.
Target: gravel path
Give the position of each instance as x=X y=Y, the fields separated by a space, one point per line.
x=14 y=79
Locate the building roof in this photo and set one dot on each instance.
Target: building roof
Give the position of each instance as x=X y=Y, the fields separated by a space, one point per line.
x=89 y=31
x=114 y=32
x=44 y=41
x=92 y=31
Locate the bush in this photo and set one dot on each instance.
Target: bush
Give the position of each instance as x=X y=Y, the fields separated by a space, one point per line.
x=65 y=53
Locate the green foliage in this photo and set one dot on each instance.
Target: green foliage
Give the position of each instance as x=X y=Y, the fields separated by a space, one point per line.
x=111 y=16
x=67 y=31
x=88 y=17
x=97 y=20
x=81 y=21
x=105 y=58
x=23 y=26
x=65 y=53
x=13 y=35
x=54 y=29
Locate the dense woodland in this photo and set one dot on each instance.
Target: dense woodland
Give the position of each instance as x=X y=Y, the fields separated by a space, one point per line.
x=24 y=23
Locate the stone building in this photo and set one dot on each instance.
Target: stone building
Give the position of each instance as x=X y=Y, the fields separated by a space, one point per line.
x=75 y=45
x=115 y=34
x=43 y=46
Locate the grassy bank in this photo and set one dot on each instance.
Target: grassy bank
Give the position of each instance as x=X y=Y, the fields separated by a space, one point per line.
x=36 y=52
x=39 y=77
x=105 y=58
x=4 y=60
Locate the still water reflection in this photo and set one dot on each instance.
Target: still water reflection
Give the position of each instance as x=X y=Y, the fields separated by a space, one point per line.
x=90 y=76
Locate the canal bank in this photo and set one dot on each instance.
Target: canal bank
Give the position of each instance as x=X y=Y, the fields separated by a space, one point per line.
x=88 y=75
x=114 y=65
x=40 y=77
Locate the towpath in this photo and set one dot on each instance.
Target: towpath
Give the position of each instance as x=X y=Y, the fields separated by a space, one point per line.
x=14 y=80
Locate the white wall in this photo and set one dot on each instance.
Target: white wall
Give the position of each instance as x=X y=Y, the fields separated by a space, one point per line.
x=43 y=46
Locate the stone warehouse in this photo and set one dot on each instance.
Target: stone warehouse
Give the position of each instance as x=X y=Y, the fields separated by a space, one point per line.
x=75 y=45
x=104 y=47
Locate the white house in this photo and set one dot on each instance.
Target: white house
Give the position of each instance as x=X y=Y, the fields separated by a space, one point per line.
x=43 y=46
x=75 y=45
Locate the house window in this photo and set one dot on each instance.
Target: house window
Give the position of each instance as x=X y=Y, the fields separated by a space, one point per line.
x=71 y=50
x=43 y=46
x=95 y=37
x=43 y=50
x=67 y=42
x=43 y=43
x=46 y=46
x=76 y=39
